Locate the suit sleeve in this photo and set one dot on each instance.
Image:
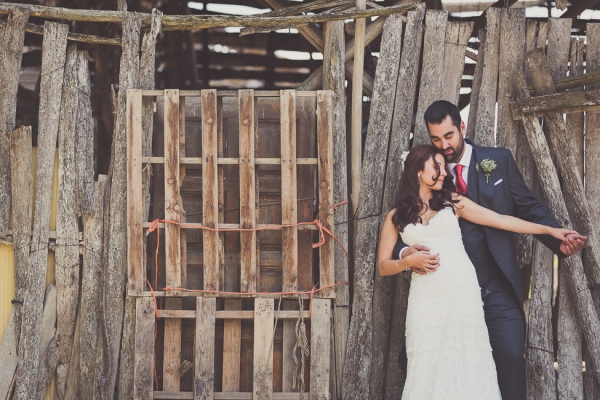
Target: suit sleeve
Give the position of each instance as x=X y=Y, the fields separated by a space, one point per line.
x=528 y=207
x=399 y=246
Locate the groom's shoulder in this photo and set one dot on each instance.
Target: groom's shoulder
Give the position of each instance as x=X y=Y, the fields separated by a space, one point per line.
x=499 y=152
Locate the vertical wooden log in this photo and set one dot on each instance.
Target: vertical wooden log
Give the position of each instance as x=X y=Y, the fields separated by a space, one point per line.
x=476 y=86
x=144 y=349
x=210 y=189
x=333 y=79
x=457 y=36
x=289 y=190
x=21 y=165
x=67 y=229
x=69 y=389
x=399 y=143
x=135 y=239
x=53 y=60
x=116 y=231
x=11 y=53
x=541 y=378
x=247 y=192
x=357 y=103
x=90 y=336
x=263 y=349
x=325 y=183
x=577 y=282
x=49 y=352
x=486 y=107
x=357 y=370
x=84 y=138
x=232 y=347
x=320 y=331
x=432 y=70
x=204 y=379
x=575 y=121
x=559 y=33
x=172 y=349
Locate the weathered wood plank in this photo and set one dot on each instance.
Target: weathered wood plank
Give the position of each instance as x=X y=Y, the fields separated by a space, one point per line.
x=84 y=138
x=320 y=331
x=559 y=35
x=204 y=379
x=289 y=340
x=511 y=57
x=144 y=348
x=578 y=284
x=325 y=179
x=333 y=79
x=486 y=107
x=247 y=191
x=53 y=60
x=357 y=370
x=232 y=346
x=263 y=348
x=210 y=189
x=90 y=336
x=399 y=143
x=67 y=229
x=565 y=102
x=21 y=168
x=116 y=232
x=172 y=349
x=68 y=381
x=457 y=36
x=432 y=69
x=8 y=355
x=541 y=378
x=289 y=192
x=575 y=121
x=476 y=86
x=11 y=53
x=49 y=350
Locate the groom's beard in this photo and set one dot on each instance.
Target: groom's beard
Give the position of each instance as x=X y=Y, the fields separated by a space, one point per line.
x=456 y=154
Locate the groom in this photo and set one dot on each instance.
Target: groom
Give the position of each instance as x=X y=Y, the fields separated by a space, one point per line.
x=492 y=251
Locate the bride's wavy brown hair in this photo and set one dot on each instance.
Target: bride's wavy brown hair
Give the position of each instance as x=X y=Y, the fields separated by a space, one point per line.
x=408 y=203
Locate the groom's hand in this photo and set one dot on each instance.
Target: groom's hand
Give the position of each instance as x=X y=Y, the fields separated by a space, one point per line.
x=572 y=244
x=424 y=262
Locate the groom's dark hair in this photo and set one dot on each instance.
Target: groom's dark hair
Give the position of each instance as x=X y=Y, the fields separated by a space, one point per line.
x=439 y=110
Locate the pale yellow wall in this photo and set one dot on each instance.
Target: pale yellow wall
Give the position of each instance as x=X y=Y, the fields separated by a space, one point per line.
x=7 y=276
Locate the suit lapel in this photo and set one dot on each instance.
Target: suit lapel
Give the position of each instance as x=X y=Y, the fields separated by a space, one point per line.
x=472 y=183
x=485 y=190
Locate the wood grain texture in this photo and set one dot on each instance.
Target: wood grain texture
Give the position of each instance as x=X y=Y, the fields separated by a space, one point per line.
x=357 y=370
x=320 y=347
x=210 y=188
x=84 y=137
x=232 y=346
x=204 y=378
x=457 y=36
x=21 y=168
x=53 y=60
x=144 y=349
x=116 y=232
x=11 y=53
x=247 y=191
x=559 y=35
x=399 y=143
x=263 y=349
x=577 y=281
x=67 y=229
x=49 y=350
x=572 y=102
x=325 y=184
x=289 y=191
x=476 y=86
x=432 y=70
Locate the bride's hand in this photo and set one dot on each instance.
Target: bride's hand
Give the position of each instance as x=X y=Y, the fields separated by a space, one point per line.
x=423 y=260
x=561 y=233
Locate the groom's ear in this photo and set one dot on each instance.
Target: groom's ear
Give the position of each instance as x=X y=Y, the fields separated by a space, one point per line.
x=463 y=128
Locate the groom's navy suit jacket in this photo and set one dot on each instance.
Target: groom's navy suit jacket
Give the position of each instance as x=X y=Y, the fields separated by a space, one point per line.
x=506 y=193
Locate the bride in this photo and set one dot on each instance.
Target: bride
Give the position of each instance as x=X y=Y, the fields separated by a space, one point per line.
x=447 y=343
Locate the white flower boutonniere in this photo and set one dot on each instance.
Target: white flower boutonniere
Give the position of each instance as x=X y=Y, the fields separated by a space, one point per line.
x=487 y=165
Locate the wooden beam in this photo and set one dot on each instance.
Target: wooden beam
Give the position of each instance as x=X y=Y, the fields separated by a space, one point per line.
x=564 y=102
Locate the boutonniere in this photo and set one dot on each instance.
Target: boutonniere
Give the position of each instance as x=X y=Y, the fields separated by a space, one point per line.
x=487 y=165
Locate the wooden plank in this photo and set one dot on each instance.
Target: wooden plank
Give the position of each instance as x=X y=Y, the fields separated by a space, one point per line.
x=224 y=396
x=325 y=178
x=578 y=284
x=540 y=347
x=486 y=107
x=575 y=121
x=457 y=36
x=399 y=143
x=289 y=192
x=432 y=69
x=182 y=174
x=67 y=228
x=204 y=379
x=144 y=349
x=559 y=35
x=289 y=341
x=8 y=355
x=116 y=236
x=565 y=102
x=320 y=331
x=247 y=191
x=232 y=346
x=53 y=61
x=49 y=351
x=84 y=137
x=68 y=386
x=135 y=234
x=210 y=189
x=21 y=165
x=11 y=53
x=232 y=313
x=511 y=57
x=263 y=348
x=172 y=349
x=476 y=86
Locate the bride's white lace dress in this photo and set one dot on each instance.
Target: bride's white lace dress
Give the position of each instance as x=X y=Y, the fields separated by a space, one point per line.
x=447 y=342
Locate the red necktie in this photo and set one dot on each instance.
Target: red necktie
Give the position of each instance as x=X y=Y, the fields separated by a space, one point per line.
x=461 y=185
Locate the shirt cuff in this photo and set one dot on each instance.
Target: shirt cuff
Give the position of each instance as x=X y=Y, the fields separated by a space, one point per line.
x=400 y=253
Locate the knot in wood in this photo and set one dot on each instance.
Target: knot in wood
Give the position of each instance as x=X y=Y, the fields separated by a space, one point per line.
x=167 y=204
x=171 y=181
x=245 y=121
x=176 y=207
x=210 y=120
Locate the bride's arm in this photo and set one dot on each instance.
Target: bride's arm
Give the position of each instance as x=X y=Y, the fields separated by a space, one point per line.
x=387 y=241
x=477 y=214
